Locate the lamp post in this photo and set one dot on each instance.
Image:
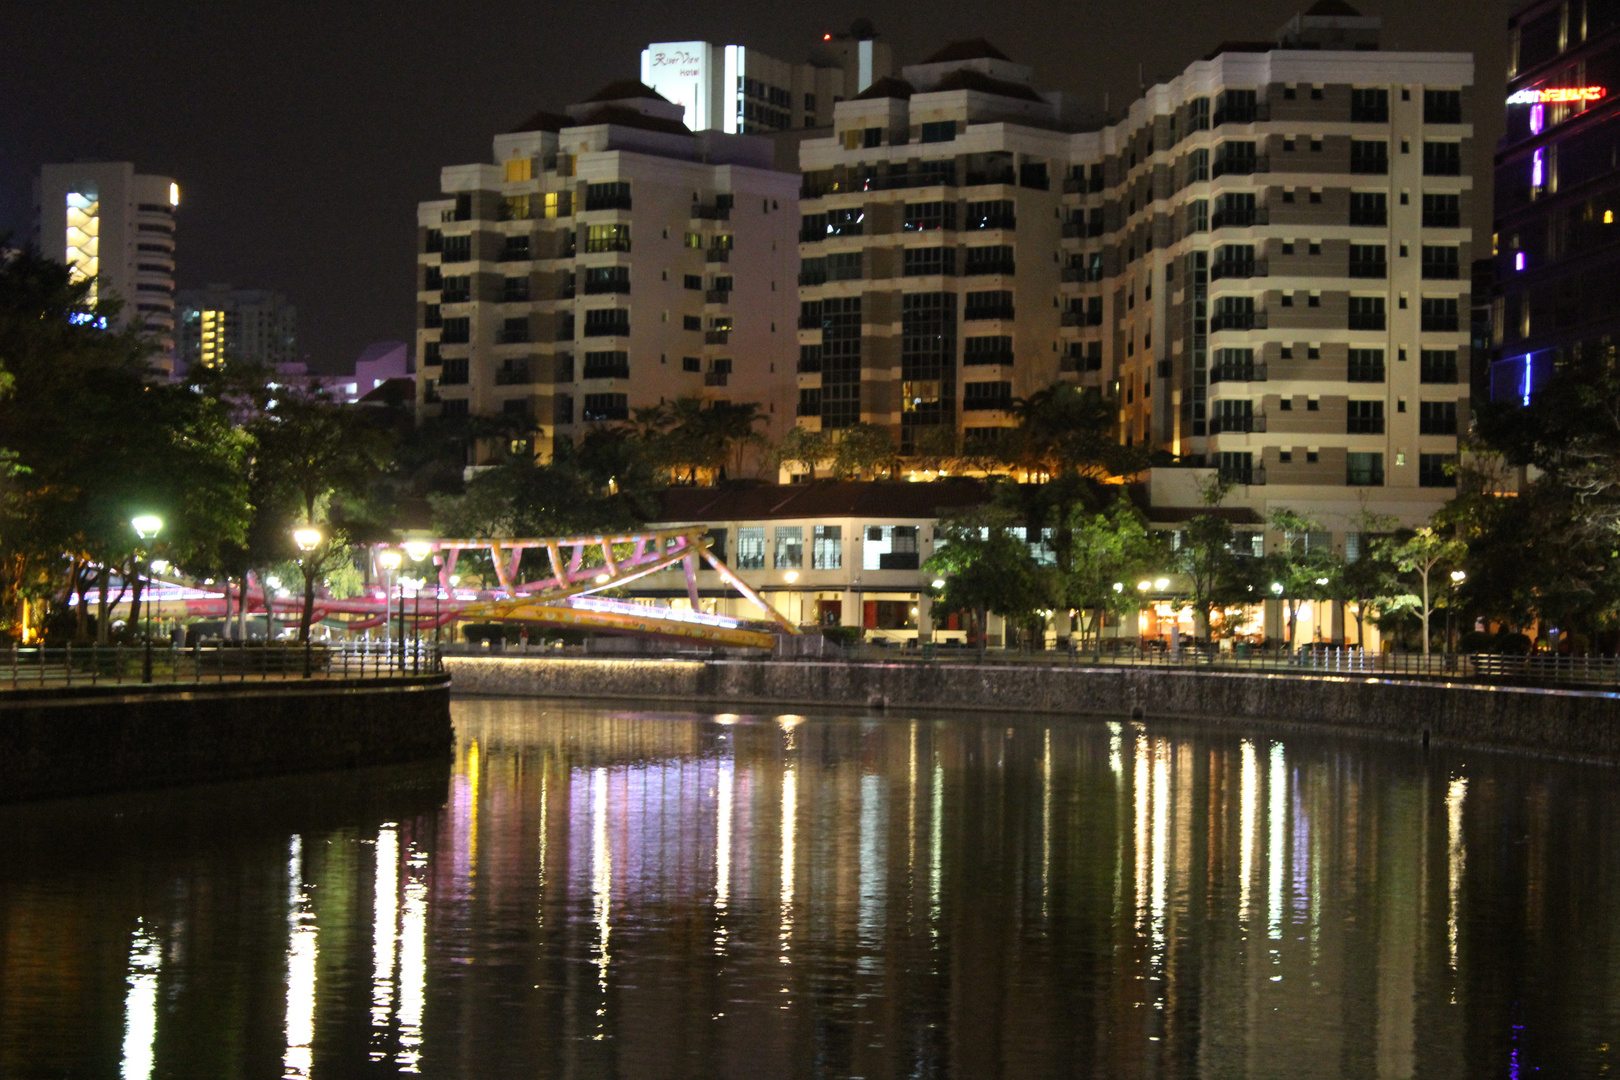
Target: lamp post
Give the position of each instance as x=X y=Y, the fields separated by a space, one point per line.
x=147 y=526
x=389 y=560
x=308 y=539
x=417 y=550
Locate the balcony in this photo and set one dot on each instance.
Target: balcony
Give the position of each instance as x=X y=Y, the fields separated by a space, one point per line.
x=813 y=277
x=1074 y=230
x=1073 y=317
x=808 y=408
x=717 y=296
x=1074 y=185
x=598 y=288
x=619 y=200
x=1247 y=268
x=1237 y=424
x=1237 y=373
x=810 y=236
x=987 y=359
x=811 y=322
x=999 y=311
x=898 y=560
x=977 y=178
x=1253 y=476
x=1005 y=266
x=716 y=337
x=512 y=335
x=717 y=255
x=1240 y=166
x=513 y=374
x=1240 y=219
x=715 y=378
x=702 y=212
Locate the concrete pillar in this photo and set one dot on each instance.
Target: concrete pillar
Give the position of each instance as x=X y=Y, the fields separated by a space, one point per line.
x=925 y=617
x=1337 y=634
x=996 y=629
x=1276 y=620
x=849 y=611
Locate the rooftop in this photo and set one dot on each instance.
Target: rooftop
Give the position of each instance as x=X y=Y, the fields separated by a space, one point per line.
x=886 y=87
x=971 y=49
x=624 y=90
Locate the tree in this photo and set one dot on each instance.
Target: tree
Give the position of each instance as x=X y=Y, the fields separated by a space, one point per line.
x=803 y=447
x=1109 y=548
x=864 y=450
x=1303 y=572
x=987 y=568
x=1205 y=556
x=688 y=436
x=1420 y=554
x=1067 y=429
x=1369 y=577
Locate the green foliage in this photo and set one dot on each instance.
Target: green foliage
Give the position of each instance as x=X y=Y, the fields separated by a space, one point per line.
x=803 y=450
x=863 y=452
x=688 y=436
x=524 y=498
x=1066 y=429
x=987 y=568
x=1109 y=547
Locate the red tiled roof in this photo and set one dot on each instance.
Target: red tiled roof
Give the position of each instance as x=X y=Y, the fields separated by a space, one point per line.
x=823 y=499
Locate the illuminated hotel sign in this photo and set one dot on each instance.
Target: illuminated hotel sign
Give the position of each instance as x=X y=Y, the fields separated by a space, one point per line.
x=1558 y=95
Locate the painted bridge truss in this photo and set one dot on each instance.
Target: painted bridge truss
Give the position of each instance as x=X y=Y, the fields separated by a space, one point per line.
x=581 y=567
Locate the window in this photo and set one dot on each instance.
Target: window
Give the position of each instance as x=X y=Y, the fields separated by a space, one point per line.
x=840 y=320
x=457 y=249
x=1442 y=106
x=1442 y=211
x=1233 y=313
x=1364 y=418
x=871 y=137
x=515 y=249
x=987 y=350
x=1235 y=466
x=433 y=241
x=1366 y=366
x=890 y=547
x=691 y=322
x=1198 y=114
x=1198 y=216
x=1368 y=261
x=980 y=396
x=1437 y=418
x=1440 y=263
x=455 y=290
x=456 y=331
x=1369 y=208
x=558 y=204
x=606 y=407
x=1442 y=159
x=1236 y=107
x=1197 y=166
x=607 y=279
x=1234 y=159
x=456 y=372
x=1439 y=313
x=996 y=259
x=849 y=221
x=939 y=131
x=996 y=304
x=1234 y=210
x=1438 y=366
x=614 y=196
x=991 y=214
x=929 y=260
x=453 y=407
x=607 y=322
x=827 y=548
x=515 y=290
x=1369 y=158
x=514 y=331
x=1369 y=106
x=607 y=238
x=1364 y=470
x=691 y=363
x=789 y=547
x=607 y=365
x=1366 y=313
x=750 y=548
x=1437 y=470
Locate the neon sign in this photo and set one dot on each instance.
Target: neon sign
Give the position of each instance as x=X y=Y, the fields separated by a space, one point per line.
x=1558 y=95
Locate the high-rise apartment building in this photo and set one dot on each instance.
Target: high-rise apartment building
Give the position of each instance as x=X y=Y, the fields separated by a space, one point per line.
x=114 y=226
x=605 y=260
x=1262 y=261
x=736 y=89
x=1557 y=192
x=220 y=322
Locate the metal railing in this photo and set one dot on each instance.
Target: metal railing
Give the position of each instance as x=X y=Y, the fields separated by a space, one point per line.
x=30 y=668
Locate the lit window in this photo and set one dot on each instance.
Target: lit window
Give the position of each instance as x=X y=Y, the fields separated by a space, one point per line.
x=519 y=169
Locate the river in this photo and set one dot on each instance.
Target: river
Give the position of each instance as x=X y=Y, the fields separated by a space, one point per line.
x=593 y=892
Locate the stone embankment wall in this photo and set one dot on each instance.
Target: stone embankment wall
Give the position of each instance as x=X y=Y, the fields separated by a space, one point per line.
x=1582 y=723
x=57 y=742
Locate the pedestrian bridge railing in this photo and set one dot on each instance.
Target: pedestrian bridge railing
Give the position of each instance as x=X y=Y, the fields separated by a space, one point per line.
x=33 y=667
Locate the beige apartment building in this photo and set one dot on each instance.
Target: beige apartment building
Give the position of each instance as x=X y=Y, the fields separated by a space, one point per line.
x=605 y=260
x=1262 y=259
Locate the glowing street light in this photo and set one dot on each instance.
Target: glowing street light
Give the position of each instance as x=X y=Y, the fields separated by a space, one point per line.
x=147 y=526
x=307 y=538
x=389 y=559
x=418 y=550
x=1276 y=588
x=939 y=583
x=1144 y=586
x=1458 y=577
x=1162 y=584
x=791 y=576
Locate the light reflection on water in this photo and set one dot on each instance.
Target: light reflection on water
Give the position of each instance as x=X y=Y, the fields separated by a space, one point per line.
x=611 y=893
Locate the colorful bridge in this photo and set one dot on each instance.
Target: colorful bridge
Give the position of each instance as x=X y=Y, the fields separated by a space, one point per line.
x=580 y=568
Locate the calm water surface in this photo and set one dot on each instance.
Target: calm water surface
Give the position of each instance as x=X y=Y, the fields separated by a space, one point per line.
x=605 y=893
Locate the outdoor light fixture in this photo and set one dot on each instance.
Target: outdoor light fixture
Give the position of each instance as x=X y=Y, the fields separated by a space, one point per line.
x=791 y=576
x=1144 y=586
x=1458 y=576
x=389 y=559
x=939 y=583
x=1162 y=584
x=160 y=566
x=418 y=550
x=1119 y=586
x=273 y=582
x=147 y=526
x=1276 y=587
x=600 y=578
x=1321 y=581
x=307 y=538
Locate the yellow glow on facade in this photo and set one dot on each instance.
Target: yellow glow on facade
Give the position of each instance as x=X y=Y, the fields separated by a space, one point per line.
x=519 y=169
x=84 y=238
x=213 y=338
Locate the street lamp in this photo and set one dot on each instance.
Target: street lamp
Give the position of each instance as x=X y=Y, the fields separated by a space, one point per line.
x=308 y=539
x=389 y=560
x=1162 y=584
x=1276 y=588
x=1458 y=577
x=147 y=526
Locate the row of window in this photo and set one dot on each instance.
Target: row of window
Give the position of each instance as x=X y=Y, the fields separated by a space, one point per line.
x=1435 y=367
x=885 y=547
x=1361 y=469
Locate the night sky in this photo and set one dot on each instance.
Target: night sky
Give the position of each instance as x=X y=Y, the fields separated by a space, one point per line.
x=304 y=134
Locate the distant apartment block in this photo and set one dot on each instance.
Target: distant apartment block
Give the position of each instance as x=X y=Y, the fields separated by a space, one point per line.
x=220 y=322
x=1263 y=260
x=738 y=90
x=605 y=260
x=114 y=227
